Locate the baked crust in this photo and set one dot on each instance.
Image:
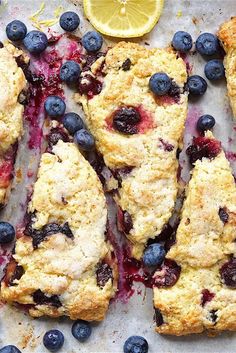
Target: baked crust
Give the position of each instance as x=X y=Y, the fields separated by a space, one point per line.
x=203 y=244
x=12 y=82
x=67 y=190
x=149 y=191
x=227 y=36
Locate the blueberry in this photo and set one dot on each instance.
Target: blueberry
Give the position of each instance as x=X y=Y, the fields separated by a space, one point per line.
x=16 y=30
x=207 y=44
x=228 y=273
x=160 y=83
x=73 y=122
x=205 y=122
x=36 y=42
x=69 y=21
x=7 y=233
x=135 y=344
x=10 y=349
x=182 y=41
x=125 y=120
x=53 y=340
x=81 y=330
x=214 y=70
x=70 y=71
x=154 y=255
x=84 y=140
x=197 y=85
x=92 y=41
x=54 y=106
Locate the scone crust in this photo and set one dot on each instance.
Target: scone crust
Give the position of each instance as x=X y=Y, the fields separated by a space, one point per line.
x=12 y=82
x=204 y=242
x=149 y=191
x=67 y=190
x=227 y=36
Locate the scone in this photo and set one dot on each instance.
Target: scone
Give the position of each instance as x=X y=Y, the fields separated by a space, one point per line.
x=62 y=263
x=195 y=288
x=227 y=36
x=12 y=82
x=138 y=135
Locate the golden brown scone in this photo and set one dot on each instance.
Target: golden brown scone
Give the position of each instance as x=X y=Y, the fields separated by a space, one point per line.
x=197 y=302
x=12 y=82
x=62 y=263
x=227 y=36
x=145 y=159
x=192 y=291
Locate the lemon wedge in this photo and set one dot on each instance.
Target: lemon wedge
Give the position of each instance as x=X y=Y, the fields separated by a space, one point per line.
x=123 y=18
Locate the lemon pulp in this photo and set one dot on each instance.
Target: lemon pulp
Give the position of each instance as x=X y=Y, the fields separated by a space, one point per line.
x=123 y=18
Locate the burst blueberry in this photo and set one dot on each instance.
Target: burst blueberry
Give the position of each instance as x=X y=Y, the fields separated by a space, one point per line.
x=160 y=83
x=10 y=349
x=136 y=344
x=54 y=106
x=154 y=255
x=84 y=140
x=70 y=72
x=214 y=70
x=197 y=86
x=16 y=30
x=7 y=233
x=53 y=340
x=36 y=42
x=73 y=122
x=81 y=330
x=182 y=41
x=92 y=41
x=205 y=122
x=69 y=21
x=207 y=44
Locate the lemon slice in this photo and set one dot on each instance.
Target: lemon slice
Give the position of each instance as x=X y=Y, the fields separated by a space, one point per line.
x=123 y=18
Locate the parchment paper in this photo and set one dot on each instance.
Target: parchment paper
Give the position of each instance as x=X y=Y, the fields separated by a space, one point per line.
x=135 y=317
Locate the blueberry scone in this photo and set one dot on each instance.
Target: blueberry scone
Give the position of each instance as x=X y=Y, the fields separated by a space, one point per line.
x=12 y=82
x=227 y=36
x=138 y=134
x=62 y=264
x=195 y=287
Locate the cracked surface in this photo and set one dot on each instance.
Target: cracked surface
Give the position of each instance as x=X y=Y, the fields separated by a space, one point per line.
x=149 y=191
x=67 y=190
x=203 y=244
x=227 y=36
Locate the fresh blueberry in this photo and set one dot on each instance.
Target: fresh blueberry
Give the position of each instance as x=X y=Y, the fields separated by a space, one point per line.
x=207 y=44
x=70 y=71
x=81 y=330
x=136 y=344
x=182 y=41
x=205 y=122
x=7 y=233
x=53 y=340
x=73 y=122
x=92 y=41
x=154 y=255
x=16 y=30
x=69 y=21
x=160 y=83
x=54 y=106
x=10 y=349
x=84 y=140
x=214 y=70
x=36 y=42
x=197 y=85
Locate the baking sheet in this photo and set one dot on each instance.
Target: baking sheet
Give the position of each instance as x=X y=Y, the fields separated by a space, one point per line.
x=135 y=317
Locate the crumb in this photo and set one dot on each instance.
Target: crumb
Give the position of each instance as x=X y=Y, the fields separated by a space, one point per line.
x=195 y=20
